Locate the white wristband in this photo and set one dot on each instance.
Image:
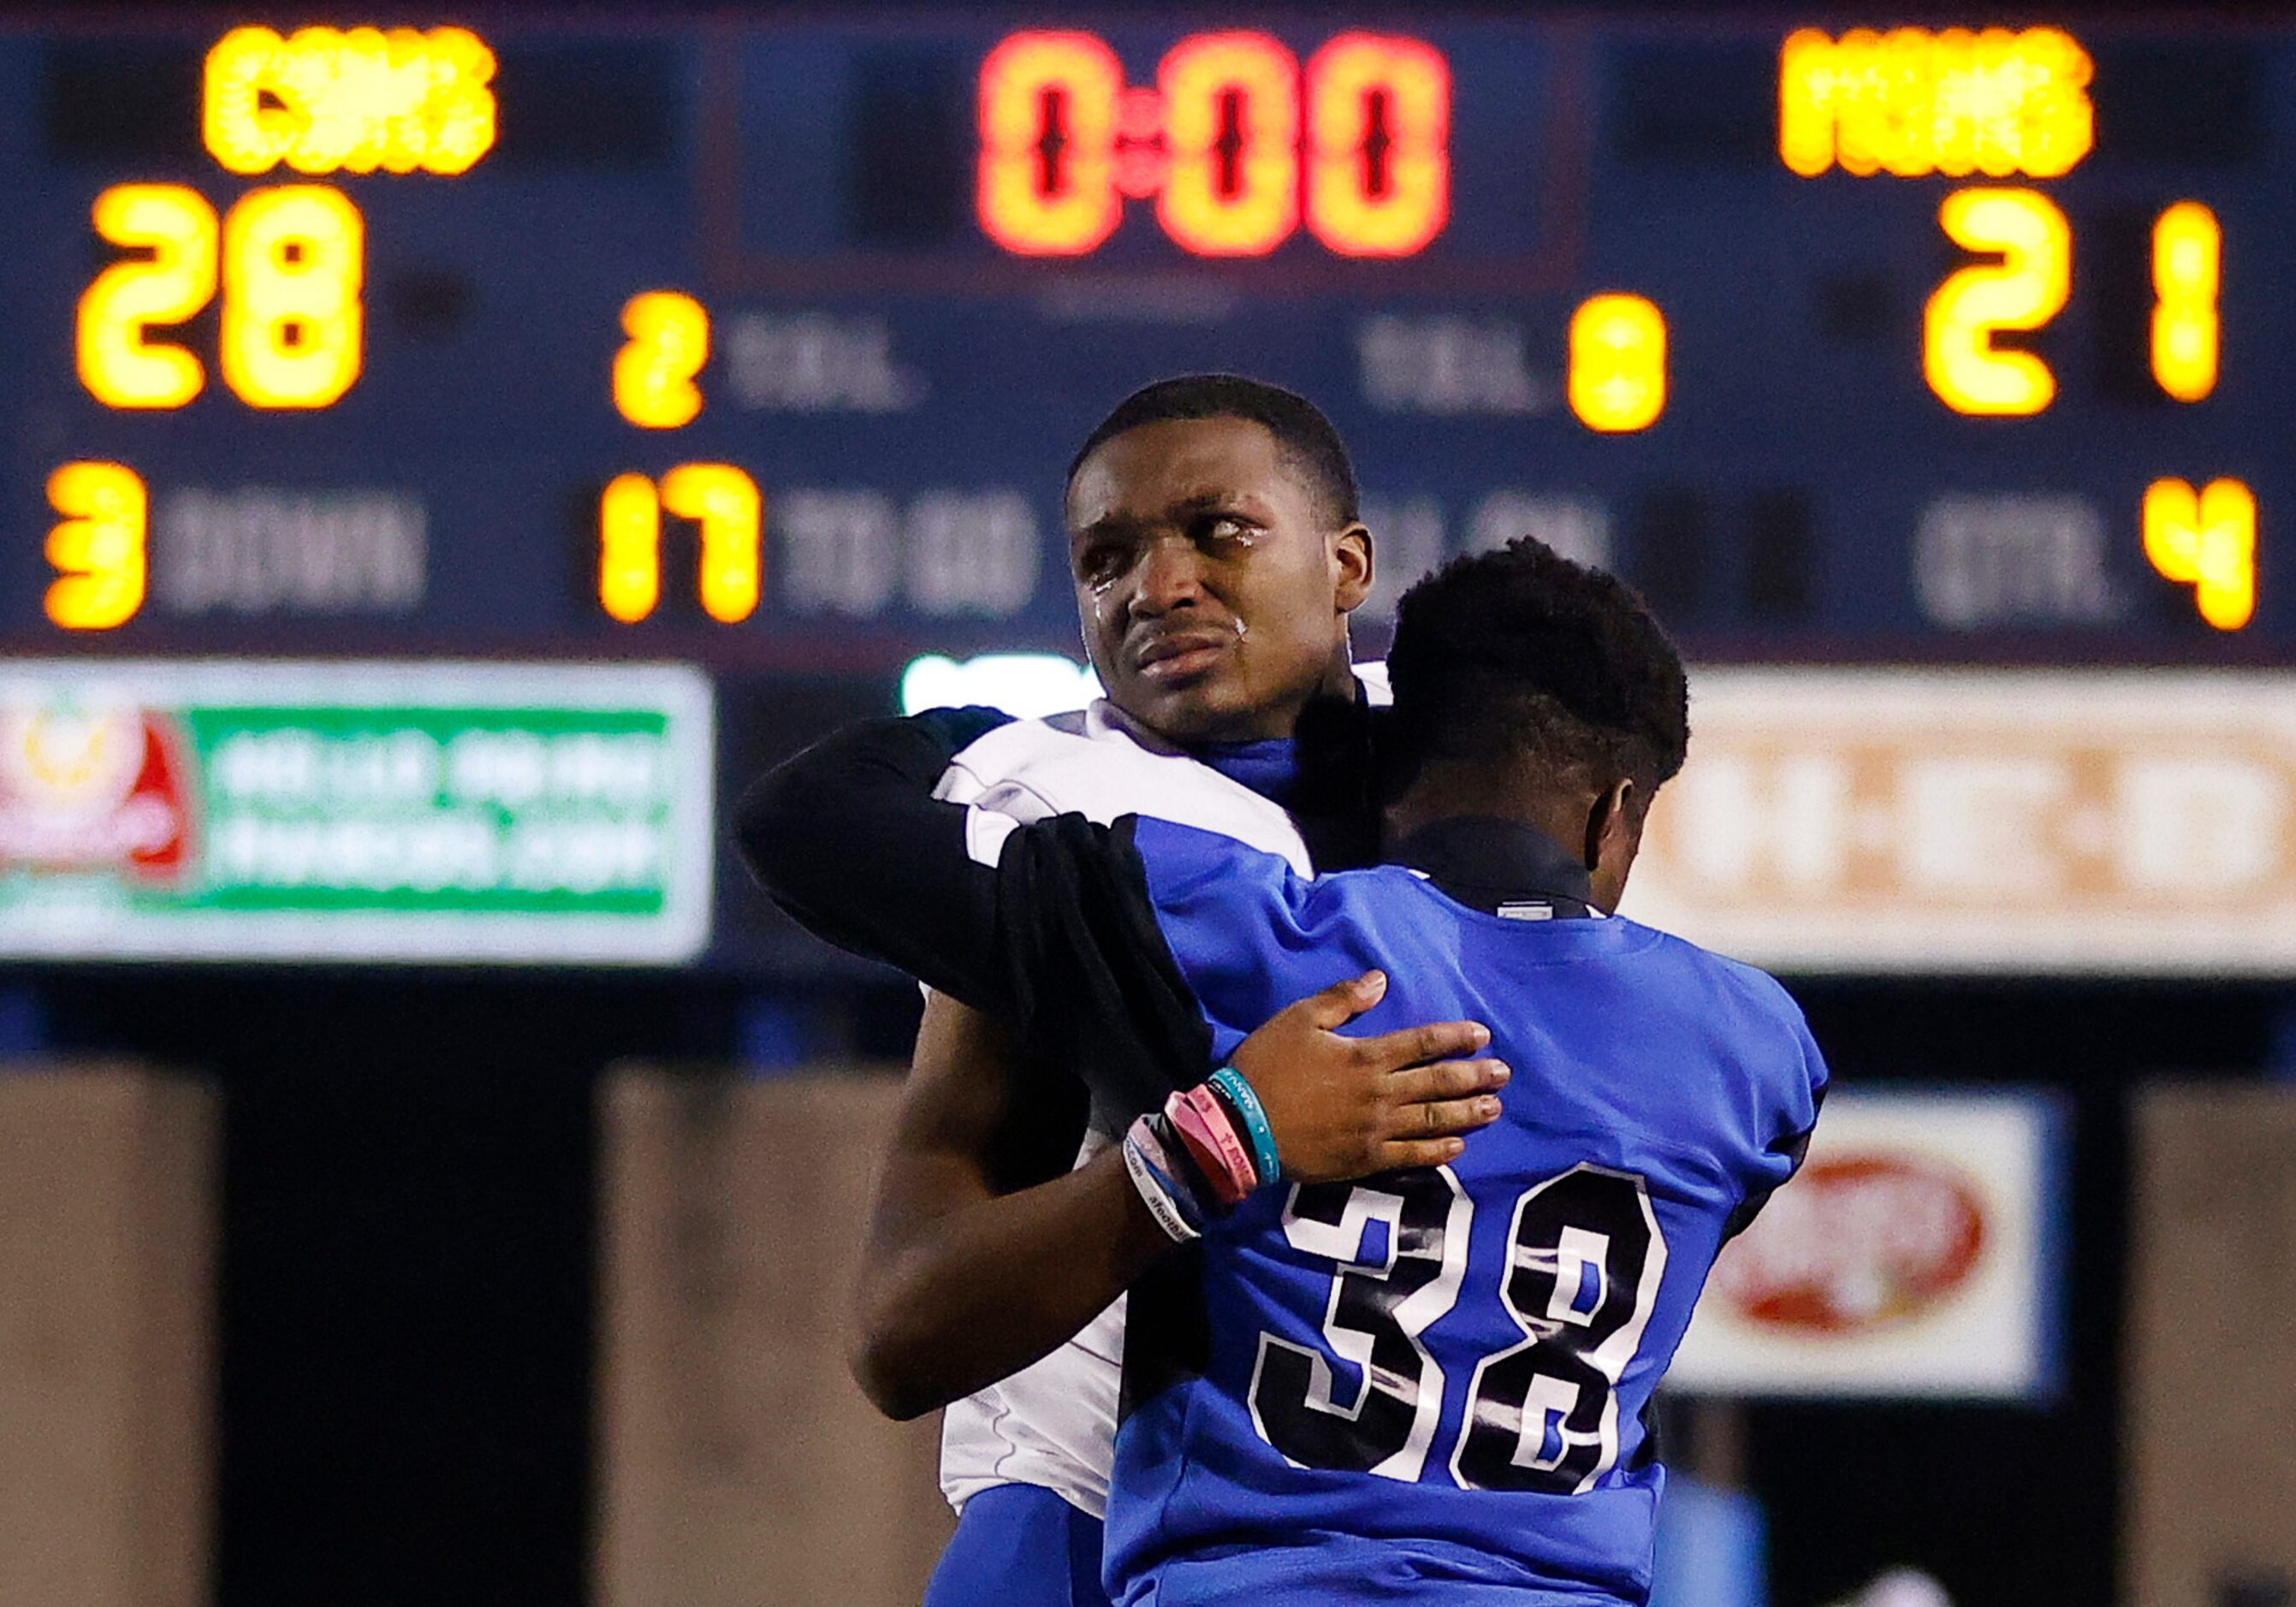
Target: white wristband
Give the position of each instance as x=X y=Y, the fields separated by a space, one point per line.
x=1161 y=1205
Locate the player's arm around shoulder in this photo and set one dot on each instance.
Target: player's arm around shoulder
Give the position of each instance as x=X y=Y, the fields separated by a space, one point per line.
x=965 y=1283
x=984 y=1251
x=849 y=838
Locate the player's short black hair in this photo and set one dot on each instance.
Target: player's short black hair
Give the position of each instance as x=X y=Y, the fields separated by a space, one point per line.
x=1303 y=435
x=1520 y=651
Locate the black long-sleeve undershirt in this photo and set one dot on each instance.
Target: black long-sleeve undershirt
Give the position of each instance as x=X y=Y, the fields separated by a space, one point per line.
x=1059 y=939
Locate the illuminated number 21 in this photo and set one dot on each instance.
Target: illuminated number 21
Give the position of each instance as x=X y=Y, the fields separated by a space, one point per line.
x=292 y=260
x=717 y=496
x=2023 y=292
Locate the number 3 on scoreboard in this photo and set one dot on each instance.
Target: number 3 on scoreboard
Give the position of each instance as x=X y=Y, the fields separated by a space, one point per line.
x=97 y=549
x=2022 y=291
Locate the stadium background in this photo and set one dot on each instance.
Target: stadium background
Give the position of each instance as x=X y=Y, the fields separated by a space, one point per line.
x=410 y=1156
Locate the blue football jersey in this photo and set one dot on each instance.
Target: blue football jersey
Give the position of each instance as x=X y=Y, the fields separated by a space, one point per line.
x=1431 y=1385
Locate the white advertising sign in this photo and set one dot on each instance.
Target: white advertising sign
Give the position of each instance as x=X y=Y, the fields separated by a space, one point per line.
x=1915 y=1255
x=1890 y=820
x=509 y=814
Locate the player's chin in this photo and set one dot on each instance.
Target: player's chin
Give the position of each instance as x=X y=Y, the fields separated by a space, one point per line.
x=1205 y=705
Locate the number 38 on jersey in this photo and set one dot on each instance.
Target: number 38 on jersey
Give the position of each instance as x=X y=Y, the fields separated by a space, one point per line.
x=1585 y=1261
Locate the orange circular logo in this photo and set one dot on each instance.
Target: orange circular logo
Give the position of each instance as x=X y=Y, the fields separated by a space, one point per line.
x=1856 y=1242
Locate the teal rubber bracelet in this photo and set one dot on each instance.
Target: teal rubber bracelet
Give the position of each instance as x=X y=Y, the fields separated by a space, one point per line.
x=1229 y=1084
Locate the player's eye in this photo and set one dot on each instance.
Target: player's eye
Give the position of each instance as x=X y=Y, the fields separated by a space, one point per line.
x=1225 y=532
x=1100 y=563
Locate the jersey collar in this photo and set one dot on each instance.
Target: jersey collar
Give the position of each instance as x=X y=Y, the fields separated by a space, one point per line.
x=1498 y=866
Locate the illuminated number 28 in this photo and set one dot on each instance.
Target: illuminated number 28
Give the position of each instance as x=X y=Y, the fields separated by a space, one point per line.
x=1223 y=141
x=292 y=258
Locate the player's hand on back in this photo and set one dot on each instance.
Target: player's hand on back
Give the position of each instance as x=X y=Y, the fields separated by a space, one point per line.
x=1347 y=1107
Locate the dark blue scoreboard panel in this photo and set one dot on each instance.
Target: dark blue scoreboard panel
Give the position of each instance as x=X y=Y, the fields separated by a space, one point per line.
x=765 y=346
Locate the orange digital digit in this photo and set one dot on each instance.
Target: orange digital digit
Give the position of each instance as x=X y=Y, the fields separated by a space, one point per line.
x=2187 y=268
x=1617 y=378
x=2023 y=292
x=97 y=551
x=2205 y=539
x=629 y=548
x=294 y=260
x=1232 y=122
x=1379 y=144
x=653 y=372
x=725 y=502
x=1048 y=122
x=119 y=366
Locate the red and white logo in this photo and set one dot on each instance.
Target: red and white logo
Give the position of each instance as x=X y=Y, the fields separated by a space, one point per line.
x=1856 y=1242
x=92 y=787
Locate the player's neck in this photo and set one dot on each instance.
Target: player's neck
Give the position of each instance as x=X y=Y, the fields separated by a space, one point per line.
x=1449 y=790
x=1339 y=681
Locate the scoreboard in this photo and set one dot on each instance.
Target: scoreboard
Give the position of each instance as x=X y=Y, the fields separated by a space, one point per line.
x=762 y=346
x=441 y=463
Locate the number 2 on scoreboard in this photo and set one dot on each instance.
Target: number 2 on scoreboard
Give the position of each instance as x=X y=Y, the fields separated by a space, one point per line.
x=2022 y=293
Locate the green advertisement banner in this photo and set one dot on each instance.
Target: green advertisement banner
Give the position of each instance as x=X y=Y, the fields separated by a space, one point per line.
x=506 y=813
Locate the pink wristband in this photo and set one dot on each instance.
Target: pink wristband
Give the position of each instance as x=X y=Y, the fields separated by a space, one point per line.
x=1204 y=1151
x=1203 y=1122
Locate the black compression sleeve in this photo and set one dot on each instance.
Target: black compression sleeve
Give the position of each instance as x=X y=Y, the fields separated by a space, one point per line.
x=1059 y=939
x=849 y=839
x=1095 y=987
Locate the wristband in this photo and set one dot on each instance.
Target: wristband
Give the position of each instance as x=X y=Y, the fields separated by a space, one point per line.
x=1201 y=1121
x=1229 y=1084
x=1234 y=1150
x=1160 y=1200
x=1205 y=1168
x=1169 y=1159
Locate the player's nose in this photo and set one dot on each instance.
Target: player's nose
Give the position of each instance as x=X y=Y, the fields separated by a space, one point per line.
x=1170 y=576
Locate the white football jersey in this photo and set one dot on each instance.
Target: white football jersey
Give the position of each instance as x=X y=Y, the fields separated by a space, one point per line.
x=1054 y=1425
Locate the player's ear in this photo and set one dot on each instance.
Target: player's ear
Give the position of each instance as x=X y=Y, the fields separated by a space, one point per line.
x=1614 y=833
x=1352 y=566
